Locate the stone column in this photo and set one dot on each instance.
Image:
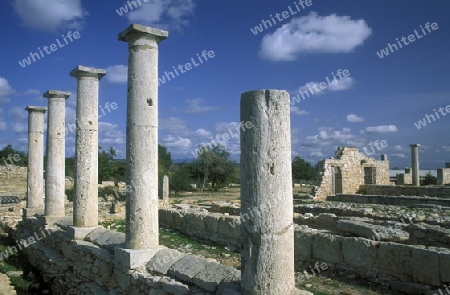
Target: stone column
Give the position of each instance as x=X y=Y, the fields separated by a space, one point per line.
x=142 y=136
x=384 y=157
x=35 y=171
x=415 y=164
x=267 y=228
x=165 y=192
x=85 y=204
x=55 y=153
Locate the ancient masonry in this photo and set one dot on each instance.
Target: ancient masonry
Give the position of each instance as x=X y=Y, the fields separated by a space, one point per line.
x=348 y=170
x=84 y=258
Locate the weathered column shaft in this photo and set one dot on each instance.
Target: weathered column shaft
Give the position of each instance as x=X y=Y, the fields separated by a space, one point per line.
x=85 y=205
x=35 y=171
x=415 y=164
x=142 y=137
x=55 y=153
x=267 y=229
x=165 y=192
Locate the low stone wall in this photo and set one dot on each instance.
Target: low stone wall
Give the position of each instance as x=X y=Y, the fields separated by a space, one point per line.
x=89 y=267
x=395 y=190
x=10 y=215
x=403 y=267
x=215 y=227
x=411 y=269
x=389 y=200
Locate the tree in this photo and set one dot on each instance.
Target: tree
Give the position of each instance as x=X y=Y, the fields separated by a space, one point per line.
x=164 y=165
x=302 y=170
x=9 y=156
x=429 y=179
x=108 y=167
x=180 y=179
x=213 y=166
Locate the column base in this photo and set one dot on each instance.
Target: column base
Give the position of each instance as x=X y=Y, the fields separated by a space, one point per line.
x=80 y=233
x=32 y=212
x=133 y=259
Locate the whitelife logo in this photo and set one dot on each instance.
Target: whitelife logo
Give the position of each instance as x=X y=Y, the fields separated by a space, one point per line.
x=411 y=38
x=53 y=47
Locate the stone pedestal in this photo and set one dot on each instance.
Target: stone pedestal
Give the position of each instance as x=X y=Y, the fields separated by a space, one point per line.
x=267 y=228
x=142 y=136
x=85 y=204
x=165 y=192
x=35 y=171
x=415 y=164
x=55 y=153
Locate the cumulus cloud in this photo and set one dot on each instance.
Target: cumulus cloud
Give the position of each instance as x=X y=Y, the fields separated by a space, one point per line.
x=313 y=88
x=314 y=34
x=162 y=13
x=50 y=15
x=117 y=74
x=379 y=129
x=297 y=111
x=5 y=90
x=352 y=118
x=196 y=106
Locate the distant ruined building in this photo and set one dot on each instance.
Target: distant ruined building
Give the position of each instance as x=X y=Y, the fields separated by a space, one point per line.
x=349 y=169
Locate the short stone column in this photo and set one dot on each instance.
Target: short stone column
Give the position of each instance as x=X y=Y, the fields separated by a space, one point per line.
x=35 y=171
x=384 y=157
x=267 y=228
x=85 y=204
x=55 y=153
x=142 y=199
x=165 y=192
x=415 y=164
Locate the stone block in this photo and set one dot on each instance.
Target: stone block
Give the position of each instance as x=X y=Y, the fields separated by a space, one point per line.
x=211 y=275
x=187 y=268
x=327 y=247
x=358 y=255
x=133 y=259
x=303 y=243
x=80 y=233
x=444 y=266
x=407 y=262
x=163 y=260
x=369 y=231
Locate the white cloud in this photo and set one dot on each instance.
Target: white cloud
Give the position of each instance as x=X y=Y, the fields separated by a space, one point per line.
x=380 y=129
x=195 y=106
x=314 y=34
x=172 y=125
x=446 y=148
x=398 y=155
x=5 y=89
x=297 y=111
x=117 y=74
x=18 y=113
x=162 y=13
x=341 y=84
x=32 y=92
x=50 y=15
x=352 y=118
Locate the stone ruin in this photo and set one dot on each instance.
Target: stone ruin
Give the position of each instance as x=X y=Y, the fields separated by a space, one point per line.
x=80 y=257
x=348 y=170
x=402 y=249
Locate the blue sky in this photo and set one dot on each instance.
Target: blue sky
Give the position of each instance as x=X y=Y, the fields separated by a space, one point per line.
x=381 y=99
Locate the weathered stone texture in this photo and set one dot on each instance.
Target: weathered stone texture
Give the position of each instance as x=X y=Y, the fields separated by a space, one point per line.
x=348 y=170
x=443 y=176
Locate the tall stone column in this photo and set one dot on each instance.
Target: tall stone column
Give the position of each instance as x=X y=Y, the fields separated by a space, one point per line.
x=35 y=171
x=142 y=136
x=415 y=164
x=85 y=204
x=267 y=228
x=165 y=192
x=55 y=153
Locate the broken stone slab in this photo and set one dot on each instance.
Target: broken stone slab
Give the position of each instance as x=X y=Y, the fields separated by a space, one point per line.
x=370 y=231
x=187 y=268
x=163 y=260
x=213 y=274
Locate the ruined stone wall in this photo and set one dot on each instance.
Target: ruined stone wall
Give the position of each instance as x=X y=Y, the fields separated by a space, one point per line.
x=351 y=163
x=443 y=176
x=13 y=179
x=389 y=200
x=396 y=190
x=404 y=178
x=89 y=267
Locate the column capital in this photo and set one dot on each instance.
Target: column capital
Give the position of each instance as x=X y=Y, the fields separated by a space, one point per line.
x=82 y=71
x=414 y=145
x=56 y=94
x=36 y=109
x=136 y=31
